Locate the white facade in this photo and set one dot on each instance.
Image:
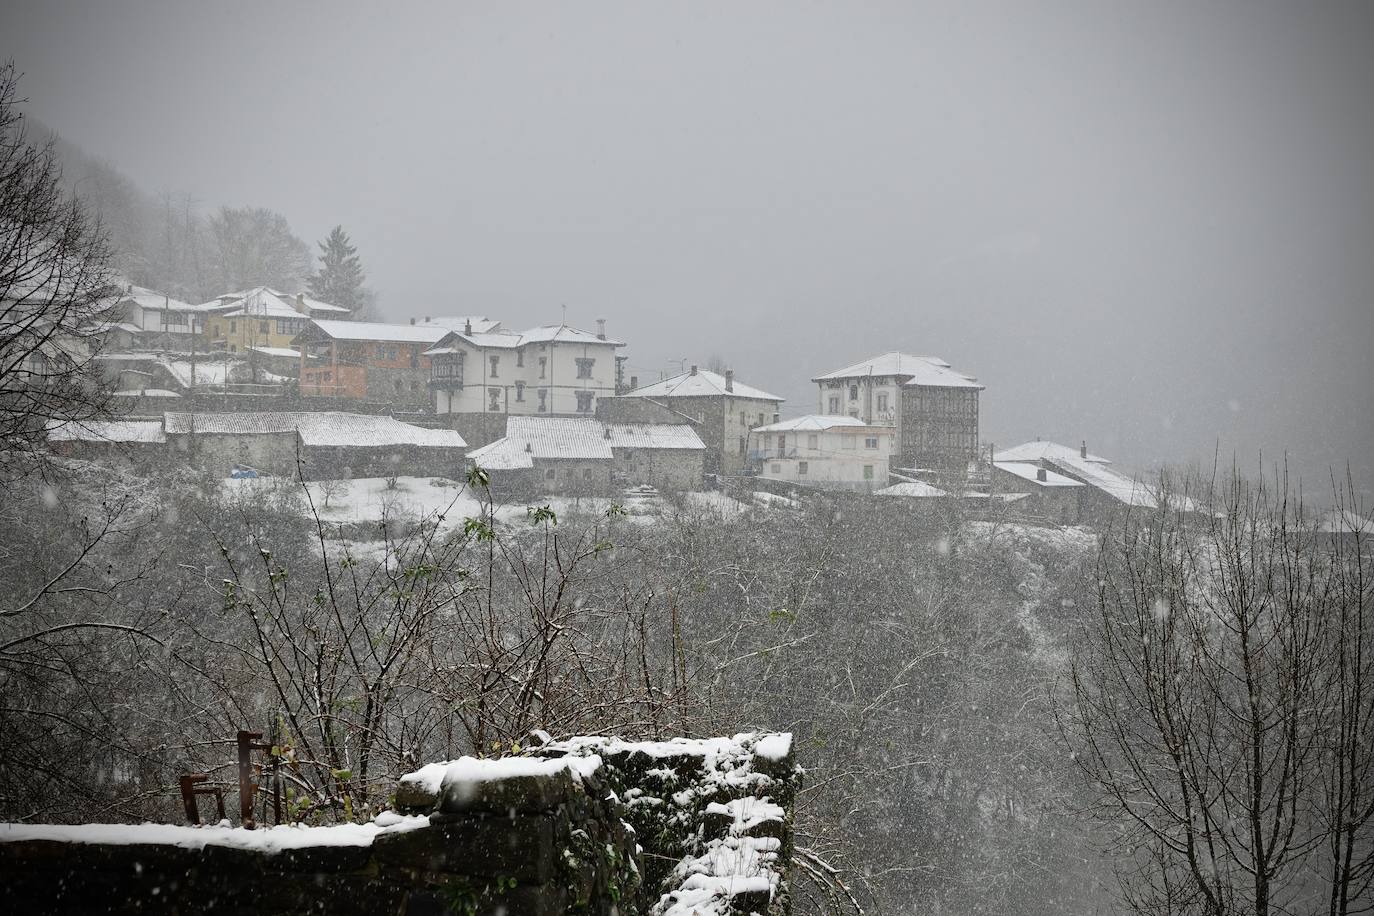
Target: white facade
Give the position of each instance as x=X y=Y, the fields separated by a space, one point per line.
x=823 y=451
x=550 y=371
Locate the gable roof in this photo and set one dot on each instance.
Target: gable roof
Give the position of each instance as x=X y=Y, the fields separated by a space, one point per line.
x=915 y=489
x=653 y=435
x=322 y=428
x=376 y=330
x=700 y=384
x=265 y=302
x=929 y=371
x=1040 y=451
x=1118 y=486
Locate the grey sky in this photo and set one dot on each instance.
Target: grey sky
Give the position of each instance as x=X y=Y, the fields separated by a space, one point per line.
x=1146 y=224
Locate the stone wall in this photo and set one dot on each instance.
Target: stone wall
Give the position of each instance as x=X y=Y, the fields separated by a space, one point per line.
x=593 y=826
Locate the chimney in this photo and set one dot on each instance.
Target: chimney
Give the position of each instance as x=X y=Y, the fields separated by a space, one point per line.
x=729 y=379
x=694 y=369
x=427 y=319
x=300 y=304
x=412 y=322
x=634 y=382
x=528 y=447
x=606 y=432
x=1040 y=475
x=1083 y=450
x=601 y=329
x=467 y=327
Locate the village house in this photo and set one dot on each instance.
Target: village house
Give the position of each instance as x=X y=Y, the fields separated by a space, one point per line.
x=333 y=444
x=479 y=378
x=1049 y=495
x=367 y=361
x=722 y=410
x=142 y=319
x=139 y=442
x=1100 y=493
x=933 y=407
x=821 y=451
x=259 y=317
x=585 y=456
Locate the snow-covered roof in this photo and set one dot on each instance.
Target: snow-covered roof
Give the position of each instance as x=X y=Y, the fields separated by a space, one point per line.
x=138 y=431
x=562 y=333
x=376 y=330
x=1029 y=471
x=559 y=437
x=911 y=488
x=146 y=393
x=508 y=340
x=152 y=299
x=502 y=455
x=285 y=352
x=698 y=384
x=1038 y=451
x=266 y=839
x=929 y=371
x=817 y=422
x=1345 y=521
x=481 y=324
x=322 y=428
x=653 y=435
x=1098 y=475
x=264 y=302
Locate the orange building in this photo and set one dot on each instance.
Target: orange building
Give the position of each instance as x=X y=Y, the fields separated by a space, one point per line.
x=368 y=361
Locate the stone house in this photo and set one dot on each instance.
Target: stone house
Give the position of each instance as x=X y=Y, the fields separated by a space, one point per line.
x=142 y=443
x=479 y=378
x=1050 y=495
x=933 y=407
x=841 y=453
x=333 y=444
x=721 y=410
x=1103 y=491
x=584 y=456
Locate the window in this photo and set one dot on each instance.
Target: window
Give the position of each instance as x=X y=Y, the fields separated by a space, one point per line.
x=543 y=399
x=854 y=412
x=391 y=353
x=760 y=419
x=584 y=402
x=519 y=359
x=495 y=395
x=813 y=441
x=520 y=391
x=801 y=467
x=834 y=403
x=543 y=364
x=263 y=327
x=584 y=367
x=741 y=446
x=548 y=475
x=846 y=441
x=782 y=443
x=495 y=363
x=870 y=441
x=853 y=392
x=233 y=327
x=868 y=472
x=882 y=401
x=775 y=468
x=586 y=473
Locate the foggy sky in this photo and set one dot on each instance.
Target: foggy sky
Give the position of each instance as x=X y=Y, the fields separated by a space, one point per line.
x=1149 y=225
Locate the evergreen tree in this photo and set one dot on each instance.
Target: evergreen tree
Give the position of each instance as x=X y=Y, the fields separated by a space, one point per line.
x=340 y=277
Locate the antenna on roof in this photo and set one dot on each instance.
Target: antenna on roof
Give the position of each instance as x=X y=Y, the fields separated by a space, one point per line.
x=565 y=314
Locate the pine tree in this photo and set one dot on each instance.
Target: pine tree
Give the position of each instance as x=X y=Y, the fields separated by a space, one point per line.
x=340 y=277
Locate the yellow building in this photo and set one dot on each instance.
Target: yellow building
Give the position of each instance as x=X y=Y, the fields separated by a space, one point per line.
x=260 y=317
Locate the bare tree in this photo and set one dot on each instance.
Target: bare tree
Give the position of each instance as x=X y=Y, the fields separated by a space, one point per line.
x=1220 y=703
x=54 y=274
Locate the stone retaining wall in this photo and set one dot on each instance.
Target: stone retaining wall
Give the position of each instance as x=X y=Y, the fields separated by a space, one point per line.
x=593 y=826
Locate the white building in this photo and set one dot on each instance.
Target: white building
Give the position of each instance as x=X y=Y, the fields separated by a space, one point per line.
x=553 y=370
x=139 y=318
x=823 y=451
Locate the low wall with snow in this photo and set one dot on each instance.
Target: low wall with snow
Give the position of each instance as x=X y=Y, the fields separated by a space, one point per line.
x=588 y=826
